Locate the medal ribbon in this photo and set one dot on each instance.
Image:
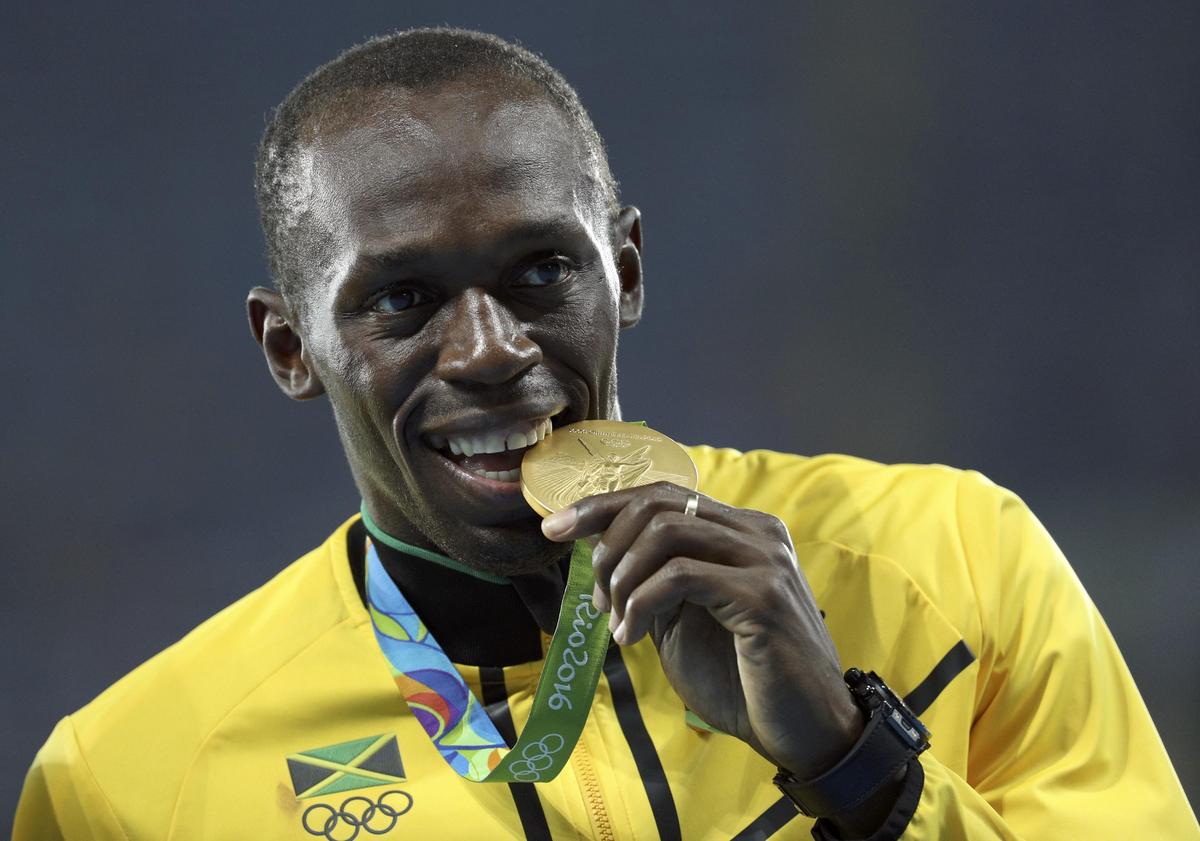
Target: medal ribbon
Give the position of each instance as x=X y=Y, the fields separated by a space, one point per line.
x=450 y=713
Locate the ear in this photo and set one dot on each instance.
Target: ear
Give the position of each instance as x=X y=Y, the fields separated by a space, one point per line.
x=287 y=359
x=627 y=232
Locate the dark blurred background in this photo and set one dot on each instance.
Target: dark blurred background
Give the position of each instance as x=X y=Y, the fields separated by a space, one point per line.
x=925 y=233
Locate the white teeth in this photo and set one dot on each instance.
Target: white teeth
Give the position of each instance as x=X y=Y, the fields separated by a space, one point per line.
x=494 y=443
x=516 y=441
x=516 y=437
x=503 y=475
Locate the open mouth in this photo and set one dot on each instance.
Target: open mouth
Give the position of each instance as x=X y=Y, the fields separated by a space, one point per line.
x=494 y=453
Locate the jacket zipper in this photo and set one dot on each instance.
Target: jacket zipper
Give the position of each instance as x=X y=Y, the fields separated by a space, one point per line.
x=601 y=825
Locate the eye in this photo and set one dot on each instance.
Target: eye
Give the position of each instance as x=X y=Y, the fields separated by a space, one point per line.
x=398 y=300
x=545 y=273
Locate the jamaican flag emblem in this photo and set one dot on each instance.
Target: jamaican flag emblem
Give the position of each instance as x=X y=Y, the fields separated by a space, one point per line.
x=359 y=763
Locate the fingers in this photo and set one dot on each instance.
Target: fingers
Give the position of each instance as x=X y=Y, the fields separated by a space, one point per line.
x=680 y=580
x=642 y=528
x=595 y=514
x=629 y=523
x=641 y=547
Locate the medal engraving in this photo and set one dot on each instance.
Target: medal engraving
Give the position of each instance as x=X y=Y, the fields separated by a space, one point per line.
x=594 y=457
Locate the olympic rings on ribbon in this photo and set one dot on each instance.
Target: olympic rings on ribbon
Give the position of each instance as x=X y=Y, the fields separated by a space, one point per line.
x=376 y=817
x=536 y=757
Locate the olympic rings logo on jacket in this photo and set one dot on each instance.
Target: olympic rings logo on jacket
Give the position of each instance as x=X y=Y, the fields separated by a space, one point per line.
x=376 y=817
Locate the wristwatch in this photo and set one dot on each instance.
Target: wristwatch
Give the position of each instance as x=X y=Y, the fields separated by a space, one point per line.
x=893 y=736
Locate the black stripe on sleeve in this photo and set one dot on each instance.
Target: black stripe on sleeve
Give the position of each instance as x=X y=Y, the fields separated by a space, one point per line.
x=769 y=822
x=525 y=796
x=650 y=769
x=956 y=659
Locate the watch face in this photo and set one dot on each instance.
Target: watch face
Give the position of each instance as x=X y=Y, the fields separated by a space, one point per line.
x=909 y=729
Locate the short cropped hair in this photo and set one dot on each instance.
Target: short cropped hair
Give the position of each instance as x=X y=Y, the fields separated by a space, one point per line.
x=413 y=59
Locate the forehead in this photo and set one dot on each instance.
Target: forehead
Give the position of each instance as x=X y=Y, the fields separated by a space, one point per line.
x=443 y=164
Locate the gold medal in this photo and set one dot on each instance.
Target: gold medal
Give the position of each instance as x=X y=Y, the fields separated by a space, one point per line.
x=599 y=456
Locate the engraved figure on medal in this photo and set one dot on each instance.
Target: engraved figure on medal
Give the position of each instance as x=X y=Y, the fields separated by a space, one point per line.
x=565 y=479
x=595 y=457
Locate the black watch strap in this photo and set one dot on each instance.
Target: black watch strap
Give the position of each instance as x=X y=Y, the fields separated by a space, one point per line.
x=874 y=759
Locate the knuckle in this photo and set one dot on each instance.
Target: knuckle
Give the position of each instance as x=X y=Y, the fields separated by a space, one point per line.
x=663 y=488
x=642 y=506
x=615 y=588
x=603 y=559
x=781 y=555
x=681 y=571
x=775 y=543
x=775 y=528
x=659 y=526
x=776 y=591
x=632 y=608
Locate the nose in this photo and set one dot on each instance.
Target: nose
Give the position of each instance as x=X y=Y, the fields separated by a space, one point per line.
x=484 y=343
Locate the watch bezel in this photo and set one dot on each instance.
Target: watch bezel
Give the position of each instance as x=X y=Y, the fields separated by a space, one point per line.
x=870 y=692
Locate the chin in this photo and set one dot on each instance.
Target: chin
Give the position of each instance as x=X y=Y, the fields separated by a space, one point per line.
x=510 y=549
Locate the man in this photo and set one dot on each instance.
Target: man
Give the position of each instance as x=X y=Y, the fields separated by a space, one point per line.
x=452 y=270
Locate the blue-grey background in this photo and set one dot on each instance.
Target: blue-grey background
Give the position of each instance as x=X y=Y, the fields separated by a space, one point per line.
x=912 y=232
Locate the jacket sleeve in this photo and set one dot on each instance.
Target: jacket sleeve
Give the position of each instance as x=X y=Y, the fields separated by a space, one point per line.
x=1062 y=745
x=61 y=800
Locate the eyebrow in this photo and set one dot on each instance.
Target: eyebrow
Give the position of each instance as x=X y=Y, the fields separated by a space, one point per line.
x=542 y=230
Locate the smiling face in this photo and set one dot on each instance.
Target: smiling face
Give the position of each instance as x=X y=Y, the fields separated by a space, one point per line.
x=467 y=291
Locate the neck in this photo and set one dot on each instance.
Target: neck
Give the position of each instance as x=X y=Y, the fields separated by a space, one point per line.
x=476 y=621
x=424 y=554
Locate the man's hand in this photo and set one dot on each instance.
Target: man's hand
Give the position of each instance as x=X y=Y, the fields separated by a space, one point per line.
x=740 y=638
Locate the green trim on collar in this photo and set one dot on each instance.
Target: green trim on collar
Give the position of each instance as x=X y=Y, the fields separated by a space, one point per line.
x=424 y=554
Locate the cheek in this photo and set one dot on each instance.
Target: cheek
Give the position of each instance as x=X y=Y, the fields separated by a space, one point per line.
x=338 y=358
x=386 y=373
x=591 y=307
x=582 y=332
x=602 y=320
x=368 y=376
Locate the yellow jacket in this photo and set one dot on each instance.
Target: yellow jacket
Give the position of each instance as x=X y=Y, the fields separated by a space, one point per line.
x=935 y=578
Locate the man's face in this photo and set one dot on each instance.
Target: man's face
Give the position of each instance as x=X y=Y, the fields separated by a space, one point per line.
x=469 y=294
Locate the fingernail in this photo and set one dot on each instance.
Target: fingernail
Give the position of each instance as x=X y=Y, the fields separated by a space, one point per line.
x=616 y=632
x=560 y=522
